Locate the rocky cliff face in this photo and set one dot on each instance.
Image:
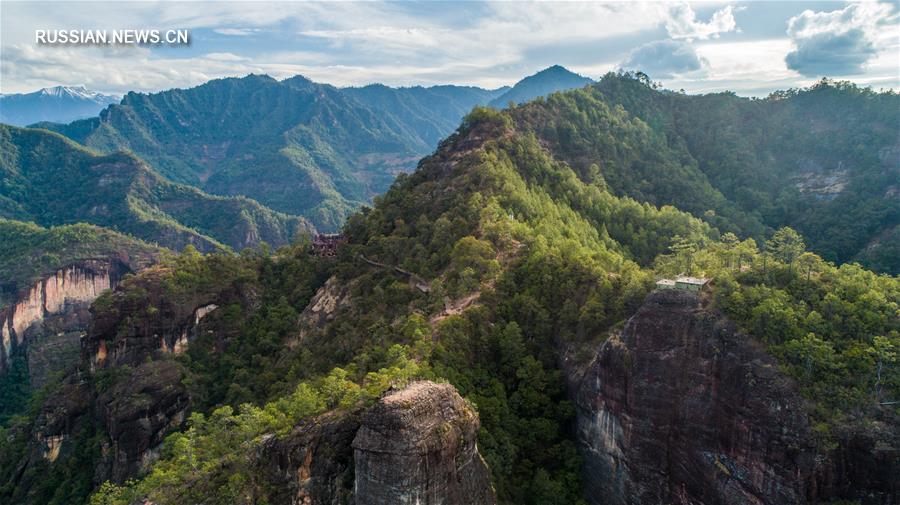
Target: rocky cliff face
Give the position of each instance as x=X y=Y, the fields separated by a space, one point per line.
x=53 y=313
x=682 y=408
x=125 y=395
x=323 y=307
x=137 y=413
x=415 y=446
x=313 y=465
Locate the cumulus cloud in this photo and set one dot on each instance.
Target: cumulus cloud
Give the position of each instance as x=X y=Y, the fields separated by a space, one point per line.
x=664 y=59
x=839 y=42
x=483 y=43
x=682 y=23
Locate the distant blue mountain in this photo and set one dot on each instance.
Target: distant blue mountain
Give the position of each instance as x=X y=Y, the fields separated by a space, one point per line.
x=547 y=81
x=59 y=104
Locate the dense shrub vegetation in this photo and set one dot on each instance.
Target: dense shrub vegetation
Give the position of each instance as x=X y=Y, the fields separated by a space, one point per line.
x=834 y=329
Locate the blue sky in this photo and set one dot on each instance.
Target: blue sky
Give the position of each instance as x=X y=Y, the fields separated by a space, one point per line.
x=748 y=47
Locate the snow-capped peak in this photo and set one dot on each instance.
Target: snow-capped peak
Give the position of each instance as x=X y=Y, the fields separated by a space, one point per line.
x=72 y=91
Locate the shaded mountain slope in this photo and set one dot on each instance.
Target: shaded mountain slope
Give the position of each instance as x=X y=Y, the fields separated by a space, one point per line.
x=50 y=180
x=822 y=160
x=431 y=113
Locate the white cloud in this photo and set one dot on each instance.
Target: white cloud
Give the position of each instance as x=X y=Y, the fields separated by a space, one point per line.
x=238 y=32
x=682 y=23
x=664 y=59
x=400 y=43
x=841 y=42
x=747 y=64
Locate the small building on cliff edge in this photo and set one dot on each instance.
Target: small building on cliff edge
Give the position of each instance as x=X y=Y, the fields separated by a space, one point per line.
x=684 y=283
x=327 y=244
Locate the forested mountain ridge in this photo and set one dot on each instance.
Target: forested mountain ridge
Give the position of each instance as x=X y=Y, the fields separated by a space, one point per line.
x=268 y=349
x=504 y=270
x=825 y=160
x=294 y=145
x=48 y=179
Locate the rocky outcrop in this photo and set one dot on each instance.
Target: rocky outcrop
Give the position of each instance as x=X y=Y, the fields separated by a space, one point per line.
x=115 y=429
x=414 y=446
x=156 y=326
x=53 y=314
x=681 y=408
x=323 y=307
x=417 y=446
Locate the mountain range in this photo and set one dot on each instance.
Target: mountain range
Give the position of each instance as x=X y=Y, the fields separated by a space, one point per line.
x=296 y=146
x=318 y=152
x=59 y=104
x=492 y=330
